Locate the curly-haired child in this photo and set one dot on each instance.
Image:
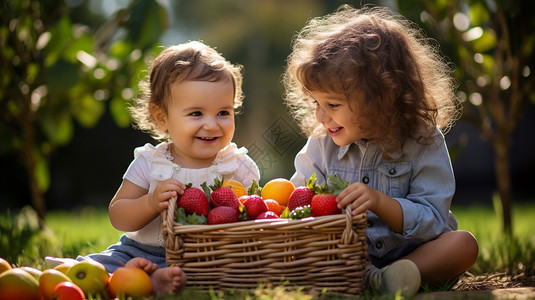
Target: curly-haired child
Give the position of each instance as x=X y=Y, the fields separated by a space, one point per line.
x=372 y=93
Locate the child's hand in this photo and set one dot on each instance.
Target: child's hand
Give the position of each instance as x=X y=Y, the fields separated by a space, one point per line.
x=359 y=197
x=165 y=190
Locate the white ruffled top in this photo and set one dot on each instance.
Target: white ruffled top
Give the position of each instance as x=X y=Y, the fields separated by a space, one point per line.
x=153 y=164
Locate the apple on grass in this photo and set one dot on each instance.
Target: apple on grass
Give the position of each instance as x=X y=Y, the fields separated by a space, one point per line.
x=48 y=282
x=90 y=276
x=4 y=265
x=18 y=284
x=67 y=290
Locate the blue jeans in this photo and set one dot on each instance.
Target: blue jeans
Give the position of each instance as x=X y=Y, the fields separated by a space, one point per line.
x=117 y=255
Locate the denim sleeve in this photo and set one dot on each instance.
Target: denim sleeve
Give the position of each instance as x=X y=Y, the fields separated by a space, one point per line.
x=307 y=162
x=426 y=208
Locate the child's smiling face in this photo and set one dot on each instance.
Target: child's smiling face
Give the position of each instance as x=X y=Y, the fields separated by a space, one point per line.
x=334 y=113
x=199 y=120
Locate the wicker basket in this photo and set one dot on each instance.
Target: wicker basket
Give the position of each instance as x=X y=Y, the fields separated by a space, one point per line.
x=314 y=253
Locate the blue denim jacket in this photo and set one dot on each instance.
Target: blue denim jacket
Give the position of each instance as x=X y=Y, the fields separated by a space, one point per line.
x=420 y=177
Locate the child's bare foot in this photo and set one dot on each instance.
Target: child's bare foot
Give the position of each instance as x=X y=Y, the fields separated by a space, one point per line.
x=167 y=280
x=142 y=263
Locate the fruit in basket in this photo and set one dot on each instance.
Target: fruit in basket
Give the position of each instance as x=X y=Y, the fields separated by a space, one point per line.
x=129 y=282
x=302 y=195
x=301 y=212
x=279 y=189
x=235 y=186
x=4 y=265
x=48 y=281
x=274 y=206
x=221 y=195
x=267 y=215
x=18 y=284
x=193 y=200
x=90 y=276
x=253 y=206
x=324 y=202
x=67 y=290
x=223 y=215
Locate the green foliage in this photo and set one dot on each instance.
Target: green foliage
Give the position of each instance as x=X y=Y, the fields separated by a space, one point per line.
x=189 y=219
x=57 y=70
x=16 y=233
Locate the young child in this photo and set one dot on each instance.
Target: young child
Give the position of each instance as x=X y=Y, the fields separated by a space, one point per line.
x=371 y=92
x=189 y=102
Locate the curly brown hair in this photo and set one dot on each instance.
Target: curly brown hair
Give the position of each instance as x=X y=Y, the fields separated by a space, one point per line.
x=191 y=61
x=393 y=77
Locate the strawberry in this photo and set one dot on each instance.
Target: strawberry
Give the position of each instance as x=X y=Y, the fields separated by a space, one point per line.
x=267 y=215
x=324 y=202
x=223 y=215
x=221 y=195
x=193 y=200
x=302 y=195
x=254 y=205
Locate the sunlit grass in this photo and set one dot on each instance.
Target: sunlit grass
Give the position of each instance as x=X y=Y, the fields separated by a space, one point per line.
x=89 y=230
x=499 y=252
x=83 y=231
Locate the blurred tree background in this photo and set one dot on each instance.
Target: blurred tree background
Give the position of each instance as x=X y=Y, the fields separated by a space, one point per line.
x=69 y=69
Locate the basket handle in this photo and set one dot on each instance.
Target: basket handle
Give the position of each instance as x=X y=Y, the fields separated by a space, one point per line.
x=349 y=235
x=168 y=218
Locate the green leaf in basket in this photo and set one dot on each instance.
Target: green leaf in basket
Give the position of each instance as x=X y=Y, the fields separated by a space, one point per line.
x=285 y=213
x=192 y=219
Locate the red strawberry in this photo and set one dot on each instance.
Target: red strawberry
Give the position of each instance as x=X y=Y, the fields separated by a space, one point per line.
x=221 y=195
x=267 y=215
x=302 y=195
x=324 y=202
x=193 y=200
x=223 y=215
x=254 y=206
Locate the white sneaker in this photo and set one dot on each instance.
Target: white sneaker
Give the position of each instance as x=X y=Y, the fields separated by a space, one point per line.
x=401 y=276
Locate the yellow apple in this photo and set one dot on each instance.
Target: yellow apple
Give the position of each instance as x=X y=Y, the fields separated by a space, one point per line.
x=48 y=281
x=32 y=271
x=4 y=265
x=90 y=276
x=18 y=284
x=64 y=267
x=129 y=282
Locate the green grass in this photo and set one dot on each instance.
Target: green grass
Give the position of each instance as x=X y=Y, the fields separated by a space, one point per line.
x=88 y=230
x=499 y=252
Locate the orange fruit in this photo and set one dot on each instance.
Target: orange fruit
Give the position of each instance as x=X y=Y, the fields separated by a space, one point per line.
x=129 y=281
x=235 y=186
x=274 y=206
x=278 y=189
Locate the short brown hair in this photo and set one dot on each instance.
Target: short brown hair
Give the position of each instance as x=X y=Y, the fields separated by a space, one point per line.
x=192 y=61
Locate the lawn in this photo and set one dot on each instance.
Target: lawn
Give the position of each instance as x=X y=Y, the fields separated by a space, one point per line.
x=88 y=230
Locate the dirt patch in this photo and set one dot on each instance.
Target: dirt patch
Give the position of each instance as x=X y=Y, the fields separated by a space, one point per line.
x=470 y=282
x=499 y=286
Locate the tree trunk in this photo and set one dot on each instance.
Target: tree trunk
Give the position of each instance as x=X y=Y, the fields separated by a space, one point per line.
x=29 y=158
x=503 y=179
